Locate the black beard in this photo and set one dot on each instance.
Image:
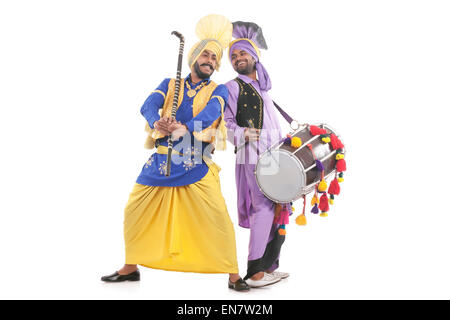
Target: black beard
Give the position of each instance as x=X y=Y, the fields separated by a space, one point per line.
x=249 y=69
x=199 y=73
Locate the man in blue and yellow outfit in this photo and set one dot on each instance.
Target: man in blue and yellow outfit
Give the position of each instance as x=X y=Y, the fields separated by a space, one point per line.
x=181 y=222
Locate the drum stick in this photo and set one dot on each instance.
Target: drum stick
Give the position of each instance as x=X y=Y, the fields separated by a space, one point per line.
x=250 y=125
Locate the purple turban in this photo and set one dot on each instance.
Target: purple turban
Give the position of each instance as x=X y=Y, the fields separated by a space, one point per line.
x=249 y=38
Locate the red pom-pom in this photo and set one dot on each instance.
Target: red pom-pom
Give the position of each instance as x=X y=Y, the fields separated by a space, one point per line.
x=334 y=188
x=341 y=165
x=315 y=130
x=323 y=205
x=335 y=142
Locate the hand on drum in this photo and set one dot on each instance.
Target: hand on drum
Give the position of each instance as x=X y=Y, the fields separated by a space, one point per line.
x=251 y=134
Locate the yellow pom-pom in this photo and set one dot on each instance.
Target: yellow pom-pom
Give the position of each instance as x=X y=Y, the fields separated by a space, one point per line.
x=296 y=142
x=324 y=214
x=326 y=139
x=282 y=232
x=331 y=201
x=293 y=209
x=340 y=179
x=301 y=220
x=339 y=156
x=314 y=200
x=322 y=186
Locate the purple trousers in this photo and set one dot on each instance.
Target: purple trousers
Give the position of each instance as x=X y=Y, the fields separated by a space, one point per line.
x=257 y=213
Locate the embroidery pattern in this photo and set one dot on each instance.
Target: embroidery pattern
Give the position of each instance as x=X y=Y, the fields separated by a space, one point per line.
x=163 y=168
x=192 y=153
x=149 y=162
x=188 y=164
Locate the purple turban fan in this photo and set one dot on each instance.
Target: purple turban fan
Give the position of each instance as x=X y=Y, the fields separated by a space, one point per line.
x=249 y=38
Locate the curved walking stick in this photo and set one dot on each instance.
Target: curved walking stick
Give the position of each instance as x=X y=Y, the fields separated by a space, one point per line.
x=175 y=99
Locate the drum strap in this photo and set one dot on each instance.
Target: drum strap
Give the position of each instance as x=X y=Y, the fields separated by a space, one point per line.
x=283 y=113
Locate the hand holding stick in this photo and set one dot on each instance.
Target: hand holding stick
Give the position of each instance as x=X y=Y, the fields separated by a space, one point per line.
x=251 y=134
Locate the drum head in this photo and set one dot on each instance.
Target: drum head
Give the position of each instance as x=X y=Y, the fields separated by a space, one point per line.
x=280 y=176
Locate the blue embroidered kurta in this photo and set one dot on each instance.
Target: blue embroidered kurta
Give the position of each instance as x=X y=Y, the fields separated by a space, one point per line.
x=190 y=167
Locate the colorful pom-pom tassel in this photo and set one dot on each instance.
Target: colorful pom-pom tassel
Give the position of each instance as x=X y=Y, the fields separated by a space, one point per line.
x=314 y=200
x=324 y=214
x=339 y=156
x=315 y=130
x=341 y=165
x=319 y=165
x=322 y=186
x=331 y=201
x=325 y=138
x=283 y=217
x=287 y=141
x=323 y=204
x=315 y=209
x=296 y=142
x=282 y=230
x=292 y=210
x=334 y=187
x=301 y=220
x=335 y=142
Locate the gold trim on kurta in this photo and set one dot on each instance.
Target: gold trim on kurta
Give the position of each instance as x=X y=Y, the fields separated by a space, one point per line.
x=160 y=92
x=216 y=133
x=166 y=111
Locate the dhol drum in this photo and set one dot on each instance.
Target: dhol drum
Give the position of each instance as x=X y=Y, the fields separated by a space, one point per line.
x=285 y=173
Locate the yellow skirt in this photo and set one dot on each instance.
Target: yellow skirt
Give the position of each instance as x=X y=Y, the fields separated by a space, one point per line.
x=181 y=228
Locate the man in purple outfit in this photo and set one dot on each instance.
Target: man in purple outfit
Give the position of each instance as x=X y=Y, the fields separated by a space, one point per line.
x=253 y=127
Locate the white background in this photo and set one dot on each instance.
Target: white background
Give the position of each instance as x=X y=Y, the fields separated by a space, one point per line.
x=74 y=74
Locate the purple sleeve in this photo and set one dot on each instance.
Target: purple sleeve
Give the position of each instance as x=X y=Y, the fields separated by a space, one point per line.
x=235 y=132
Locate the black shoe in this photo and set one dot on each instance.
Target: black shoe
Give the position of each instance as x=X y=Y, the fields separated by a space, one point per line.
x=239 y=285
x=116 y=277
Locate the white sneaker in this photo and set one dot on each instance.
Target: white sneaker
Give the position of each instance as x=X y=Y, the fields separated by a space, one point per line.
x=282 y=275
x=266 y=280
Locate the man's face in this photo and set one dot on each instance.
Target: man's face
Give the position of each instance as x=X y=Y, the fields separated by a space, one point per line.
x=205 y=64
x=242 y=62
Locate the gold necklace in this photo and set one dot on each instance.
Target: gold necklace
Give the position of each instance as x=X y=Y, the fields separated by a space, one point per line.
x=192 y=92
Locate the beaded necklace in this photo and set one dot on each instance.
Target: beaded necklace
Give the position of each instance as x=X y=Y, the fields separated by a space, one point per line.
x=192 y=92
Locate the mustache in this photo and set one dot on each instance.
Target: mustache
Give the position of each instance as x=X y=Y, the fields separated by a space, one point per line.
x=207 y=64
x=237 y=62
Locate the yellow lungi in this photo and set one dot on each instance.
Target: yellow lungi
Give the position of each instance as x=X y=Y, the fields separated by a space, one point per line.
x=183 y=228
